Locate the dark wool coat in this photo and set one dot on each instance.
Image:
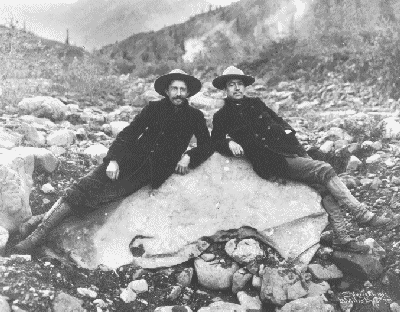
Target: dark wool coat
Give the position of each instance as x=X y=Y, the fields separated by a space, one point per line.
x=160 y=134
x=260 y=132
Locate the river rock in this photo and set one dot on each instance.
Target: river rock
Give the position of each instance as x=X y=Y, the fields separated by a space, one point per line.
x=221 y=196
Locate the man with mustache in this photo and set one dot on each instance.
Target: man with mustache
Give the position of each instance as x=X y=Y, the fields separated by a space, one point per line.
x=246 y=126
x=146 y=152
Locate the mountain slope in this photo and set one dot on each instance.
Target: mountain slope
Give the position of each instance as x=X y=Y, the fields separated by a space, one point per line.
x=94 y=23
x=241 y=30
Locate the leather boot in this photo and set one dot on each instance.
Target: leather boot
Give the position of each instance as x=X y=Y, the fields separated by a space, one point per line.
x=363 y=216
x=50 y=220
x=342 y=240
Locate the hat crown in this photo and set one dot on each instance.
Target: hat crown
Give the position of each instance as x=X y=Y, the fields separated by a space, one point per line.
x=177 y=71
x=232 y=70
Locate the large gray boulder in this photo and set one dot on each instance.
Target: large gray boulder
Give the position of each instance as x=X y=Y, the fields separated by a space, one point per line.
x=43 y=106
x=222 y=194
x=16 y=175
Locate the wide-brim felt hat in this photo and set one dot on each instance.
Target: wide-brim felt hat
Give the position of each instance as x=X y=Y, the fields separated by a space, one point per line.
x=230 y=73
x=161 y=84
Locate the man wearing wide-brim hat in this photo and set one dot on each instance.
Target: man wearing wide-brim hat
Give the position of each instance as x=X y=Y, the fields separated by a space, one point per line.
x=246 y=126
x=151 y=148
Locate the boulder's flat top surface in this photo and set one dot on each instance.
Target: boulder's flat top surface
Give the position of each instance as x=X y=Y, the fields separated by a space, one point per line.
x=222 y=194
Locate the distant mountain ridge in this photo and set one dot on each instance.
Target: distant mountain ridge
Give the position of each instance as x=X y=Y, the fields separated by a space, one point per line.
x=241 y=30
x=95 y=23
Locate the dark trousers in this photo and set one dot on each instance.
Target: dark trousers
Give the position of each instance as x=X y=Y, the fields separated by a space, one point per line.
x=96 y=189
x=309 y=171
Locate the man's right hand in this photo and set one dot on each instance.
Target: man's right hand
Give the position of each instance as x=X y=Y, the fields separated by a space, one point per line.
x=112 y=170
x=236 y=149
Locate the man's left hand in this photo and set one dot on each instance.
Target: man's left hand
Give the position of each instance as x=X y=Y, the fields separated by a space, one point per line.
x=183 y=165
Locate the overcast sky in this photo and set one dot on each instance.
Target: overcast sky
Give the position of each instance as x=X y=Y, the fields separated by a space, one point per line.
x=13 y=2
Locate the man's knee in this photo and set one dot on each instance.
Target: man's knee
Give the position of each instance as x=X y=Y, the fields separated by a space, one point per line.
x=325 y=172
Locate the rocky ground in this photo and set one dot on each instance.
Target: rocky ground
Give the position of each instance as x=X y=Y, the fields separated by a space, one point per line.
x=334 y=120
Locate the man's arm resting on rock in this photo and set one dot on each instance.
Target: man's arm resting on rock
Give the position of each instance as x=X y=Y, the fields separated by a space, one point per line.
x=203 y=150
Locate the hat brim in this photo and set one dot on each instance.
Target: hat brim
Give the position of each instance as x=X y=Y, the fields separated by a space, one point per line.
x=220 y=81
x=161 y=84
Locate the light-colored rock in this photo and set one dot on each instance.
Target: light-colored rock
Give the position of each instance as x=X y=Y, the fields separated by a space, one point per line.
x=9 y=139
x=325 y=273
x=173 y=309
x=32 y=135
x=45 y=160
x=353 y=163
x=43 y=106
x=65 y=303
x=336 y=133
x=185 y=277
x=274 y=287
x=240 y=279
x=4 y=235
x=244 y=251
x=4 y=306
x=47 y=188
x=139 y=286
x=373 y=158
x=310 y=304
x=377 y=145
x=201 y=101
x=221 y=306
x=38 y=123
x=16 y=176
x=97 y=152
x=174 y=292
x=391 y=128
x=376 y=249
x=394 y=307
x=62 y=137
x=317 y=289
x=248 y=301
x=118 y=126
x=86 y=292
x=296 y=291
x=215 y=275
x=207 y=201
x=256 y=282
x=208 y=256
x=128 y=295
x=57 y=150
x=327 y=146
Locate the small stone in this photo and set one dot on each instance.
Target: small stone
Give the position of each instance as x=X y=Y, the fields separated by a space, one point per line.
x=325 y=273
x=47 y=188
x=394 y=307
x=173 y=309
x=174 y=293
x=208 y=257
x=139 y=286
x=367 y=284
x=128 y=295
x=248 y=301
x=373 y=159
x=240 y=279
x=86 y=292
x=185 y=277
x=256 y=281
